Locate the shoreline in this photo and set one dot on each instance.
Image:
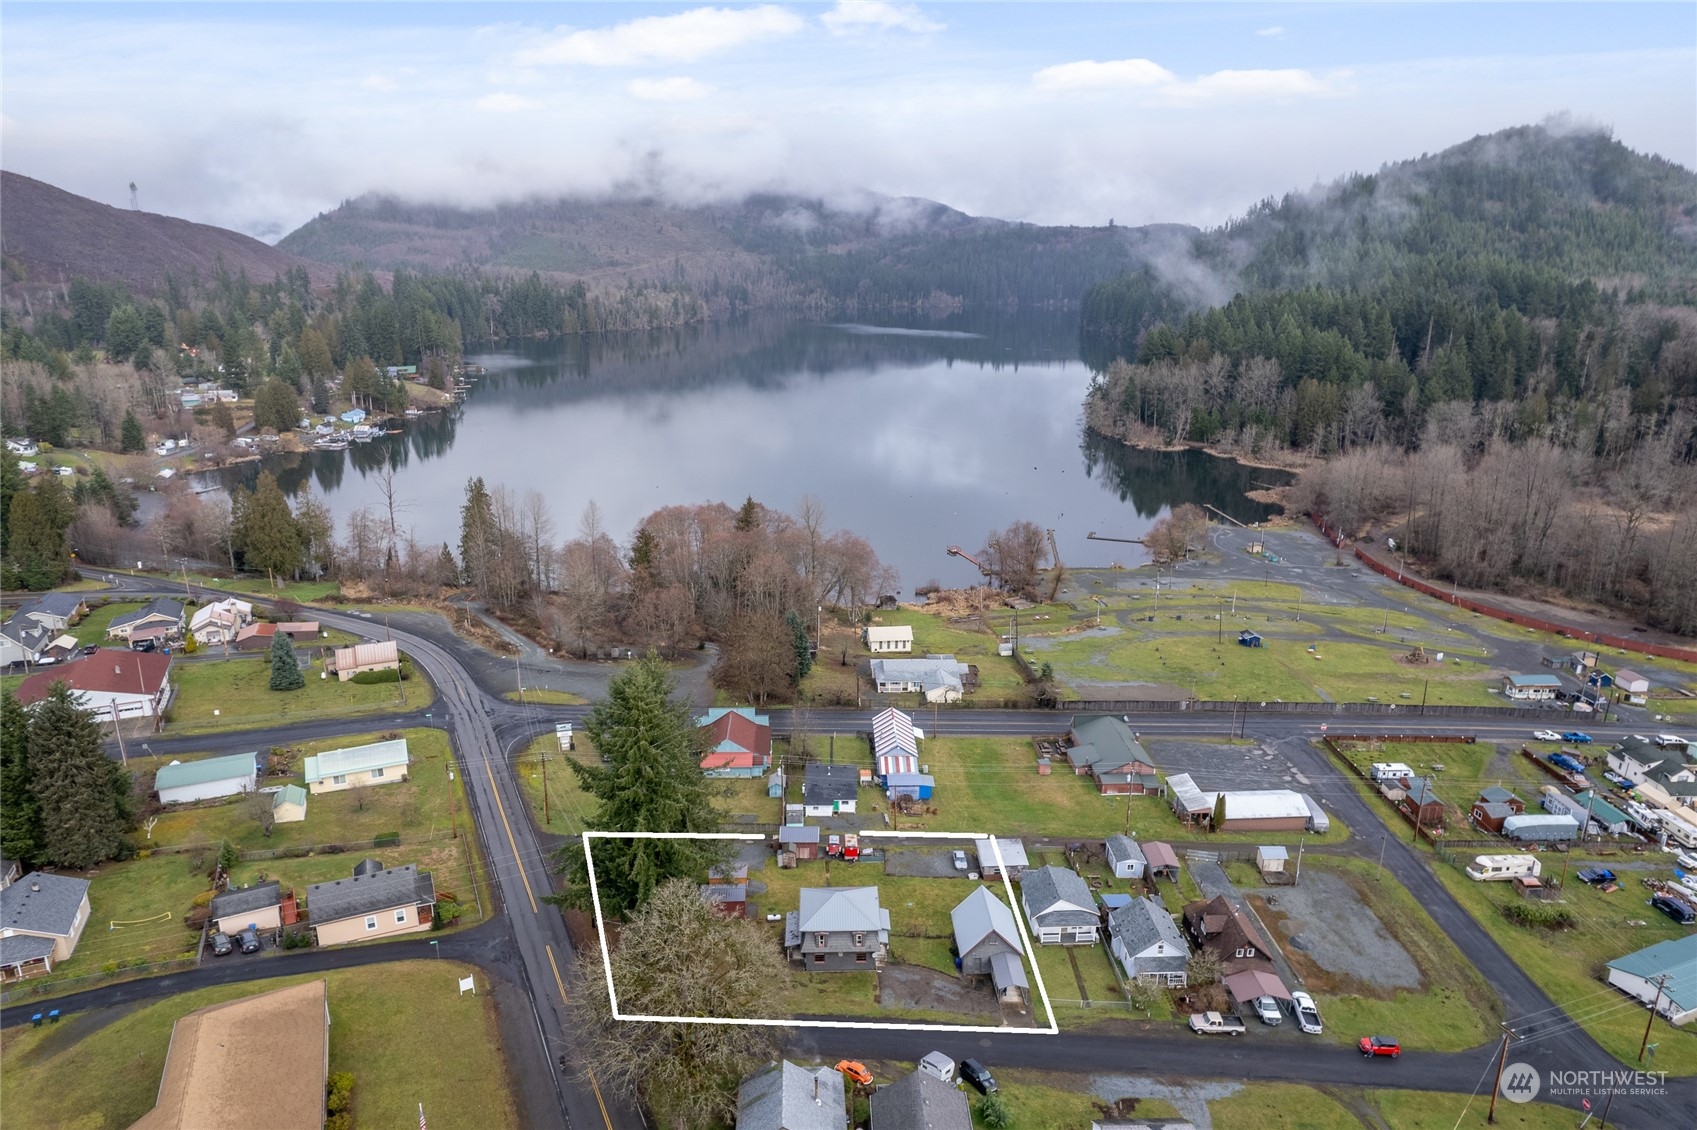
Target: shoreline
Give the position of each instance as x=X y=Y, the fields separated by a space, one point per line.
x=1297 y=464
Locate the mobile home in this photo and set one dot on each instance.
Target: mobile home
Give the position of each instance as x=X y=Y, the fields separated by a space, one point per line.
x=1493 y=868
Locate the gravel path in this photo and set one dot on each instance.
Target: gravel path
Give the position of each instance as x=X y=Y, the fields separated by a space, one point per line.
x=1190 y=1101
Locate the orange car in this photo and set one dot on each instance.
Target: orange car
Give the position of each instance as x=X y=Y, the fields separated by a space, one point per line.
x=856 y=1071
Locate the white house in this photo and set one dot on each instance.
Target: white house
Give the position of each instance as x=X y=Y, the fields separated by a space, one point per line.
x=24 y=447
x=893 y=639
x=221 y=621
x=183 y=781
x=1635 y=686
x=132 y=684
x=379 y=763
x=1531 y=688
x=1059 y=906
x=940 y=678
x=22 y=640
x=1147 y=943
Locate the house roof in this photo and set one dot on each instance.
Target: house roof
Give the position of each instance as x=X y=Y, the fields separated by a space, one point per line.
x=887 y=632
x=1252 y=983
x=1160 y=854
x=356 y=759
x=61 y=605
x=366 y=655
x=40 y=903
x=737 y=730
x=242 y=900
x=1625 y=675
x=1013 y=852
x=826 y=783
x=1123 y=848
x=920 y=779
x=980 y=915
x=109 y=670
x=1532 y=680
x=226 y=768
x=1599 y=809
x=798 y=834
x=1676 y=959
x=1104 y=742
x=1493 y=810
x=226 y=611
x=920 y=1101
x=363 y=894
x=930 y=672
x=1058 y=897
x=1222 y=925
x=785 y=1096
x=1007 y=971
x=1142 y=924
x=1422 y=791
x=160 y=606
x=32 y=634
x=840 y=908
x=289 y=794
x=724 y=892
x=220 y=1054
x=1496 y=794
x=893 y=732
x=20 y=949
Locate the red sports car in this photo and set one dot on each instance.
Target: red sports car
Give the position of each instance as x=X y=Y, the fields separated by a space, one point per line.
x=1380 y=1045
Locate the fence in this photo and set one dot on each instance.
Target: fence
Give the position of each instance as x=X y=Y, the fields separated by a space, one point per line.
x=1665 y=651
x=1215 y=706
x=296 y=851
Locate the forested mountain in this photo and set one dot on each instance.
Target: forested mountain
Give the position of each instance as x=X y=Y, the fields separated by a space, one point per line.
x=1523 y=303
x=51 y=236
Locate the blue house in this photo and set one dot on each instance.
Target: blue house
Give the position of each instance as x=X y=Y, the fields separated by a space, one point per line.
x=917 y=785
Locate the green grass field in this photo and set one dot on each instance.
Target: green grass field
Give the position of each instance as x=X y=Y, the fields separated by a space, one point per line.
x=1568 y=963
x=400 y=1029
x=235 y=694
x=542 y=696
x=1281 y=1106
x=1429 y=1110
x=150 y=898
x=92 y=628
x=569 y=807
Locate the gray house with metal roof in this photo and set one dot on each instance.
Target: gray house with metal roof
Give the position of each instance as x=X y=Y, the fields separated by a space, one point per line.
x=161 y=613
x=785 y=1096
x=1060 y=908
x=984 y=927
x=41 y=920
x=1147 y=943
x=920 y=1101
x=53 y=610
x=838 y=930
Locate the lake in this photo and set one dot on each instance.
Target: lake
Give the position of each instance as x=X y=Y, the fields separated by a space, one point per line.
x=916 y=437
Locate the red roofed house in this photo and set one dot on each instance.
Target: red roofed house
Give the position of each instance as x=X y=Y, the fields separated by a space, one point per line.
x=257 y=637
x=738 y=741
x=136 y=683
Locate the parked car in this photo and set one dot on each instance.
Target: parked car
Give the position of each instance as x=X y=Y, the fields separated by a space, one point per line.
x=1268 y=1010
x=855 y=1071
x=1687 y=861
x=1665 y=740
x=249 y=939
x=143 y=645
x=1214 y=1023
x=978 y=1075
x=1596 y=876
x=90 y=649
x=221 y=944
x=1675 y=908
x=960 y=861
x=1546 y=736
x=1307 y=1012
x=1579 y=737
x=1379 y=1045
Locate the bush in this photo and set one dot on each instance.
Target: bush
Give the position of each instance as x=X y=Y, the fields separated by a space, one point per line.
x=228 y=856
x=386 y=839
x=994 y=1112
x=367 y=678
x=1539 y=914
x=204 y=898
x=444 y=914
x=338 y=1092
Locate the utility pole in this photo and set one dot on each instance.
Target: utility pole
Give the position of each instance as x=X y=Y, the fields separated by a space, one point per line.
x=118 y=729
x=1502 y=1060
x=546 y=820
x=1300 y=844
x=1645 y=1042
x=1383 y=840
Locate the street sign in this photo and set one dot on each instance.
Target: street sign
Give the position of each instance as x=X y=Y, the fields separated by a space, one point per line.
x=563 y=731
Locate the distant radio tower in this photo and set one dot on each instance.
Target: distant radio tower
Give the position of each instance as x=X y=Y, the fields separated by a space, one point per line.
x=134 y=205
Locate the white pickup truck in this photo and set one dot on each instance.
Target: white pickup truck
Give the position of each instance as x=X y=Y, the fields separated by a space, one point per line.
x=1205 y=1023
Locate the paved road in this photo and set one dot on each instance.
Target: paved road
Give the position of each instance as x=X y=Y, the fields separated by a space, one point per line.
x=486 y=728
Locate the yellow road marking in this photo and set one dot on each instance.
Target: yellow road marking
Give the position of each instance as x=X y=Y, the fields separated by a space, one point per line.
x=593 y=1085
x=517 y=861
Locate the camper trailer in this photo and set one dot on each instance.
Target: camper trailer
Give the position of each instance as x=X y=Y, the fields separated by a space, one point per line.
x=1492 y=868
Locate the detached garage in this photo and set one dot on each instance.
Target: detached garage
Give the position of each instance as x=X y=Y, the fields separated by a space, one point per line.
x=184 y=781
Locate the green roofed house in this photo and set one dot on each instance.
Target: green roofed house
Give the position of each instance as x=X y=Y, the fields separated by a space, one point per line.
x=1674 y=964
x=184 y=781
x=288 y=805
x=379 y=763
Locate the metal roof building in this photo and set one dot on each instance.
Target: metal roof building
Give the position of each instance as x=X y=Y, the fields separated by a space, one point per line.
x=1674 y=963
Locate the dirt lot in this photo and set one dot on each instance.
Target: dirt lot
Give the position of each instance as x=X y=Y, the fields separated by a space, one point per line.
x=1329 y=933
x=922 y=863
x=914 y=986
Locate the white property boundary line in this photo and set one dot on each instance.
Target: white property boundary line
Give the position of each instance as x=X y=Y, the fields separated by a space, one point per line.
x=995 y=845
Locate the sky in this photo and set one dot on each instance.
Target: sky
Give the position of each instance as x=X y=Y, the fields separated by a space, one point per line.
x=259 y=116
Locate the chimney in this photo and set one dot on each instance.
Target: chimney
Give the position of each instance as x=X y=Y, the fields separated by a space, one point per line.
x=37 y=887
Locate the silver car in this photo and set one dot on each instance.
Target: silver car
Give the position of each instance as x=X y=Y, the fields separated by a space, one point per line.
x=960 y=861
x=1268 y=1010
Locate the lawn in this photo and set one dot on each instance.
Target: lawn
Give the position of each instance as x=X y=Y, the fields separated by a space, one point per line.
x=542 y=696
x=1429 y=1110
x=400 y=1029
x=446 y=859
x=1101 y=988
x=421 y=805
x=999 y=677
x=1567 y=964
x=235 y=694
x=301 y=592
x=138 y=893
x=1282 y=1106
x=92 y=628
x=569 y=807
x=991 y=785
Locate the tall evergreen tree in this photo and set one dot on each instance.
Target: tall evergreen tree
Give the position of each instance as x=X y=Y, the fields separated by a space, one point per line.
x=803 y=649
x=132 y=438
x=650 y=781
x=285 y=668
x=82 y=793
x=271 y=539
x=748 y=514
x=480 y=537
x=20 y=815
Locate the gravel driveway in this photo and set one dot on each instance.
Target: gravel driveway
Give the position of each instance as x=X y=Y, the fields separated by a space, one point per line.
x=1327 y=921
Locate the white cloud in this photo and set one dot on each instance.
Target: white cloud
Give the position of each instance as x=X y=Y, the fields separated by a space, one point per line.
x=1274 y=32
x=1088 y=74
x=379 y=82
x=505 y=102
x=1166 y=88
x=678 y=88
x=683 y=38
x=850 y=16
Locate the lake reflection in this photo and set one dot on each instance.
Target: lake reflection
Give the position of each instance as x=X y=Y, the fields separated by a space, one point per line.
x=913 y=441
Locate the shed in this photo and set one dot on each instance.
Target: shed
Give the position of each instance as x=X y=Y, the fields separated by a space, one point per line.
x=184 y=781
x=1488 y=816
x=728 y=900
x=1635 y=686
x=1126 y=857
x=1163 y=860
x=1271 y=859
x=1253 y=983
x=1541 y=828
x=939 y=1065
x=917 y=785
x=288 y=805
x=1318 y=822
x=800 y=839
x=1014 y=860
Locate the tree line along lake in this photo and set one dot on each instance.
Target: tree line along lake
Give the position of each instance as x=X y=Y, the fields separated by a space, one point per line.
x=915 y=437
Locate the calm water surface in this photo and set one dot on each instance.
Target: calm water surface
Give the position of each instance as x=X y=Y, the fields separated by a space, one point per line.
x=914 y=437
